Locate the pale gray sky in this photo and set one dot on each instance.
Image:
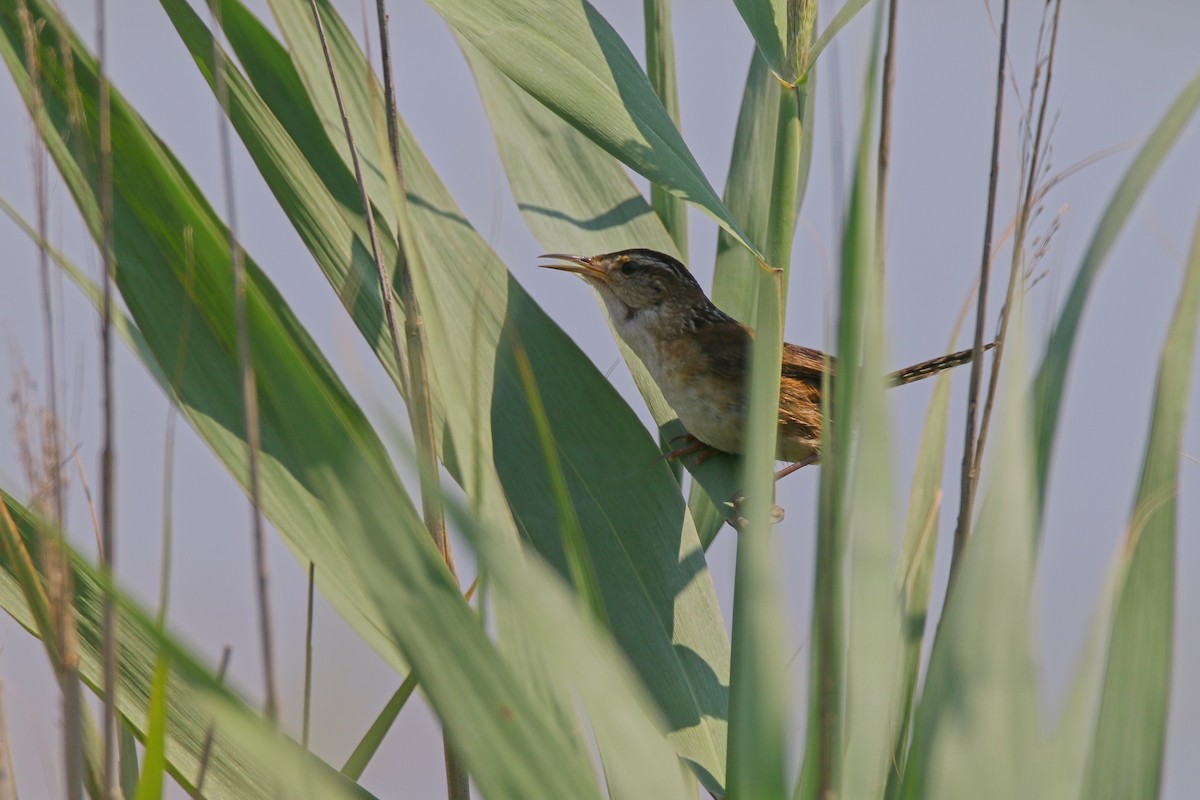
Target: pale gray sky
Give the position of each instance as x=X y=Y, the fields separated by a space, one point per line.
x=1117 y=70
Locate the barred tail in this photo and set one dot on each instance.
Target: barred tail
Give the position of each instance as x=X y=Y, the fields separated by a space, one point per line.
x=933 y=366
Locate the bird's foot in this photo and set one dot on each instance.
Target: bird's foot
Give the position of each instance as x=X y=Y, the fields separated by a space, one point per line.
x=738 y=520
x=735 y=503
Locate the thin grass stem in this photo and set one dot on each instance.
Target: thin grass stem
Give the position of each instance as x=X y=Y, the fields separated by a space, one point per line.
x=308 y=657
x=168 y=490
x=414 y=369
x=43 y=467
x=107 y=456
x=206 y=751
x=1029 y=200
x=249 y=387
x=357 y=763
x=660 y=68
x=50 y=606
x=969 y=474
x=8 y=785
x=414 y=327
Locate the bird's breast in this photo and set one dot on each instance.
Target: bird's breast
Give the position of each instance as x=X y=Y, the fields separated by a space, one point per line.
x=712 y=408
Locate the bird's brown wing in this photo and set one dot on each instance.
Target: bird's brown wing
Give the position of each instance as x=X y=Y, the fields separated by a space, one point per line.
x=800 y=394
x=727 y=350
x=726 y=347
x=804 y=363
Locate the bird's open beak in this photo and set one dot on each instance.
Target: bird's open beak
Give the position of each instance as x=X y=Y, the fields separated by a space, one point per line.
x=579 y=265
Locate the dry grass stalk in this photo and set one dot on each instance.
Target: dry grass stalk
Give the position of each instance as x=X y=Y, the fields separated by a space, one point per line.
x=36 y=435
x=42 y=460
x=1036 y=169
x=969 y=472
x=249 y=387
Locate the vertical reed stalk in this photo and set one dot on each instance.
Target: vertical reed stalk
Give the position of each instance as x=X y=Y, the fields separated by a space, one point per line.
x=308 y=656
x=457 y=780
x=249 y=387
x=107 y=456
x=660 y=68
x=969 y=471
x=415 y=370
x=1027 y=202
x=206 y=751
x=8 y=785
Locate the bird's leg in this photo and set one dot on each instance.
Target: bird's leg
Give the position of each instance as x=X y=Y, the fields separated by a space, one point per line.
x=790 y=468
x=693 y=445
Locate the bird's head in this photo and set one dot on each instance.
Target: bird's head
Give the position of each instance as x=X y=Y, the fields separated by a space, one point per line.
x=635 y=281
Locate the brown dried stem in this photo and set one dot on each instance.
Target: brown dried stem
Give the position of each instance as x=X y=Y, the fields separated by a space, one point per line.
x=249 y=387
x=107 y=455
x=969 y=473
x=458 y=786
x=1028 y=202
x=206 y=752
x=43 y=463
x=308 y=656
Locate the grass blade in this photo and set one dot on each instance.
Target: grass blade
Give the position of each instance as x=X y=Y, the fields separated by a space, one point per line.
x=546 y=162
x=751 y=167
x=875 y=619
x=252 y=429
x=840 y=20
x=660 y=68
x=150 y=787
x=758 y=705
x=579 y=562
x=854 y=410
x=305 y=476
x=138 y=657
x=108 y=467
x=639 y=761
x=914 y=574
x=783 y=31
x=464 y=280
x=171 y=274
x=373 y=738
x=1130 y=736
x=127 y=760
x=976 y=723
x=597 y=86
x=1051 y=378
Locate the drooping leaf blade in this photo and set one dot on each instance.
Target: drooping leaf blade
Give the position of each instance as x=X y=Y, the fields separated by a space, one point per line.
x=314 y=438
x=596 y=85
x=230 y=776
x=914 y=574
x=976 y=727
x=660 y=69
x=546 y=162
x=1050 y=384
x=1130 y=737
x=644 y=548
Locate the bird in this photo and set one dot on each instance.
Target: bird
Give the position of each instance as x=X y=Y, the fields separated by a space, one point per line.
x=700 y=356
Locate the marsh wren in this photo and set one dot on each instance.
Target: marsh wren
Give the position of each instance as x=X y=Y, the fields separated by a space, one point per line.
x=700 y=356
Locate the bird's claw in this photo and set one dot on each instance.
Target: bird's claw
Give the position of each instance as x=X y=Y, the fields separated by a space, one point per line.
x=739 y=522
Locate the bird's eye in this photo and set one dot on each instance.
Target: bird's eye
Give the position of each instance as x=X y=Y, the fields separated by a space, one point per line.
x=628 y=268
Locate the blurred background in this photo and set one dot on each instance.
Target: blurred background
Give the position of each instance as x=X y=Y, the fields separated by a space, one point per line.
x=1117 y=70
